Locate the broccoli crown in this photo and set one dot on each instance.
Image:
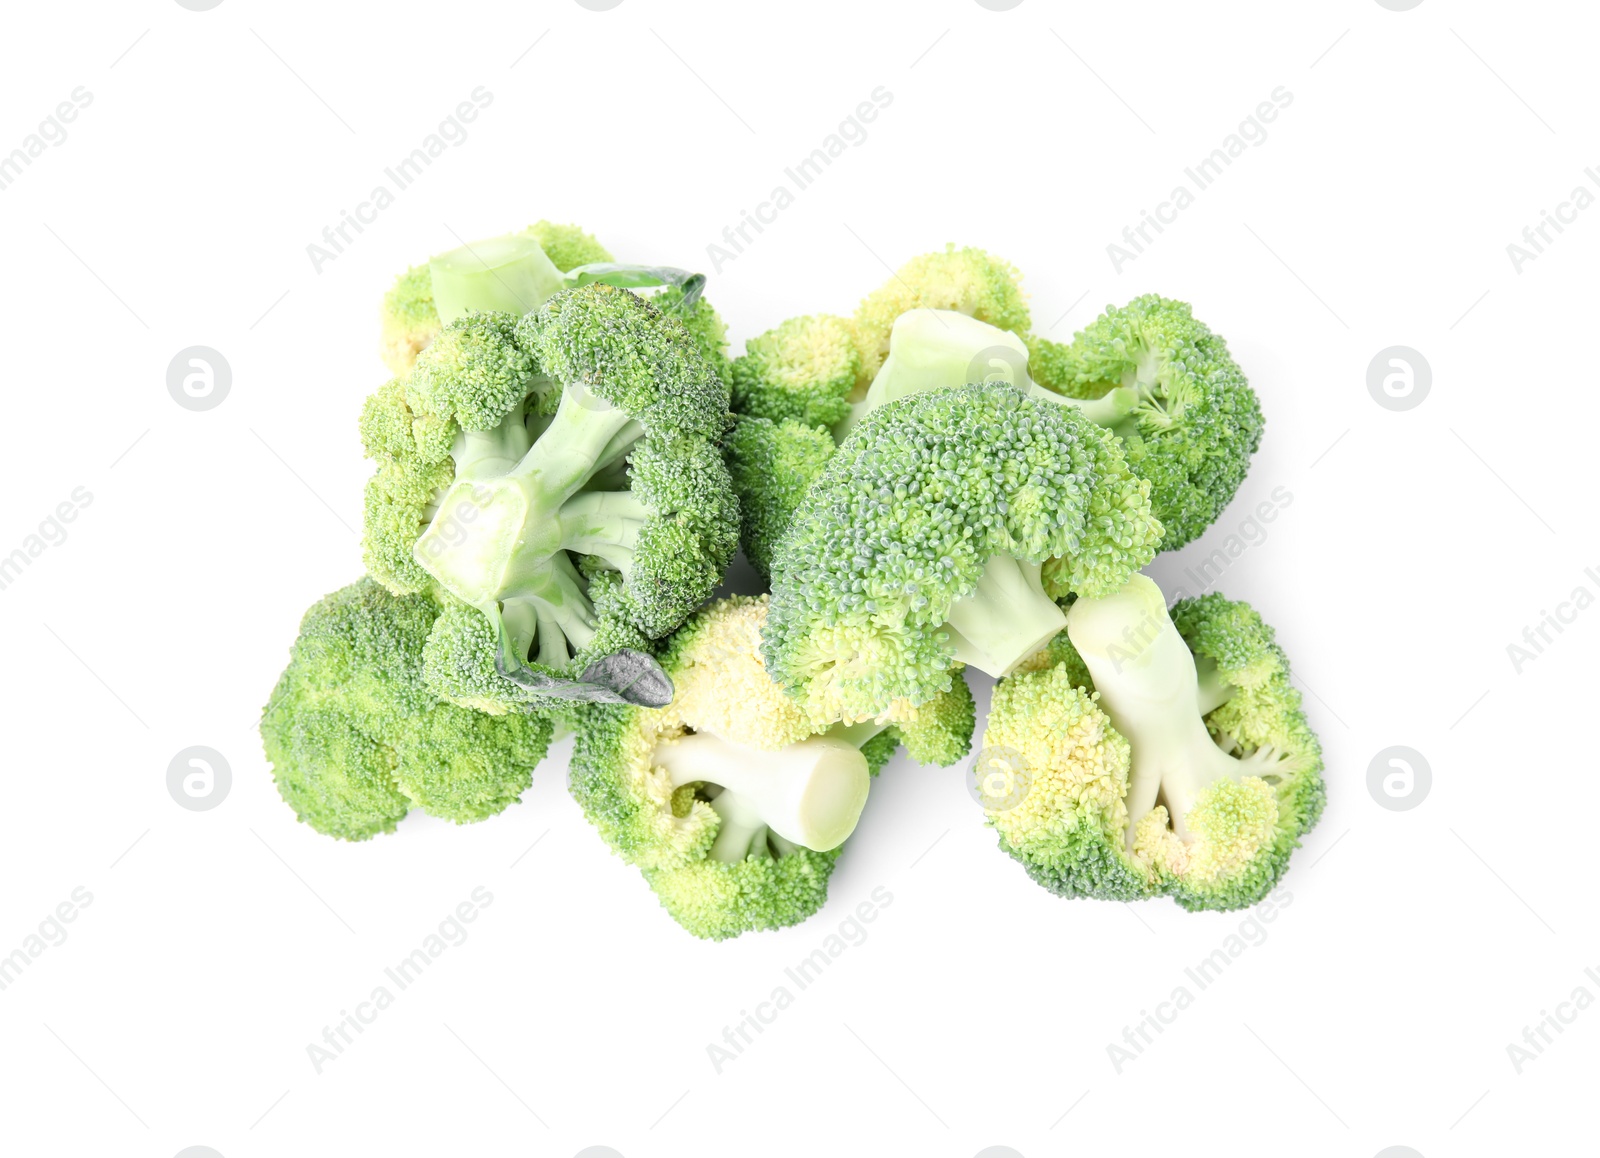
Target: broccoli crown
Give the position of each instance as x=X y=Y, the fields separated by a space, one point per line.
x=568 y=246
x=356 y=739
x=699 y=794
x=804 y=369
x=702 y=321
x=558 y=474
x=921 y=544
x=409 y=319
x=967 y=280
x=1195 y=421
x=1128 y=788
x=772 y=465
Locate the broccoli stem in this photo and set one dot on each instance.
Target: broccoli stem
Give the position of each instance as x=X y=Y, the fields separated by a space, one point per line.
x=810 y=793
x=1006 y=619
x=509 y=274
x=859 y=733
x=1108 y=410
x=1149 y=686
x=605 y=524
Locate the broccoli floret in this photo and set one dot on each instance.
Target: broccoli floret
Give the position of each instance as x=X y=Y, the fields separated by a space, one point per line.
x=772 y=465
x=968 y=281
x=939 y=532
x=1195 y=422
x=804 y=369
x=356 y=739
x=702 y=321
x=731 y=800
x=568 y=246
x=410 y=320
x=1143 y=781
x=583 y=507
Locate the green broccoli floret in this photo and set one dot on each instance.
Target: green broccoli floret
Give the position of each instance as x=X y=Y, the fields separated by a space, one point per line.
x=356 y=739
x=579 y=459
x=968 y=281
x=702 y=321
x=805 y=370
x=568 y=246
x=516 y=273
x=939 y=532
x=1195 y=422
x=772 y=465
x=1136 y=779
x=410 y=320
x=730 y=800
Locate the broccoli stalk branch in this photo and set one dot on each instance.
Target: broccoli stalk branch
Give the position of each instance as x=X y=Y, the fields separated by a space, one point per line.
x=1005 y=619
x=1150 y=687
x=500 y=536
x=810 y=793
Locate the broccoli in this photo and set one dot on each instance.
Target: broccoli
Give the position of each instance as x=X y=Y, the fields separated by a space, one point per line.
x=1162 y=755
x=805 y=369
x=939 y=533
x=356 y=740
x=968 y=281
x=411 y=319
x=1195 y=422
x=772 y=465
x=816 y=372
x=560 y=474
x=515 y=273
x=731 y=801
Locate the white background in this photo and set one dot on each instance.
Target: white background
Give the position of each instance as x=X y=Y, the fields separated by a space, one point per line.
x=1417 y=546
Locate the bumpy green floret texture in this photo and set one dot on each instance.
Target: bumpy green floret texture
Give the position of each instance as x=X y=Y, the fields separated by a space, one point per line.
x=630 y=354
x=1059 y=770
x=702 y=321
x=356 y=739
x=967 y=280
x=568 y=246
x=1068 y=829
x=410 y=319
x=903 y=520
x=1264 y=710
x=772 y=465
x=804 y=369
x=1196 y=422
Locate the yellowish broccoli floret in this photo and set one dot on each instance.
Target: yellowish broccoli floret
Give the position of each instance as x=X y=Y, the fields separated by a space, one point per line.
x=730 y=799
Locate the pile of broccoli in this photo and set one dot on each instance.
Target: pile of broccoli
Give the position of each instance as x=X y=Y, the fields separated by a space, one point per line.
x=567 y=462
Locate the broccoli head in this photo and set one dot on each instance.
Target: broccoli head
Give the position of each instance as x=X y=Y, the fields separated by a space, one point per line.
x=1162 y=755
x=939 y=533
x=356 y=739
x=772 y=465
x=968 y=281
x=560 y=475
x=1194 y=421
x=805 y=370
x=732 y=802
